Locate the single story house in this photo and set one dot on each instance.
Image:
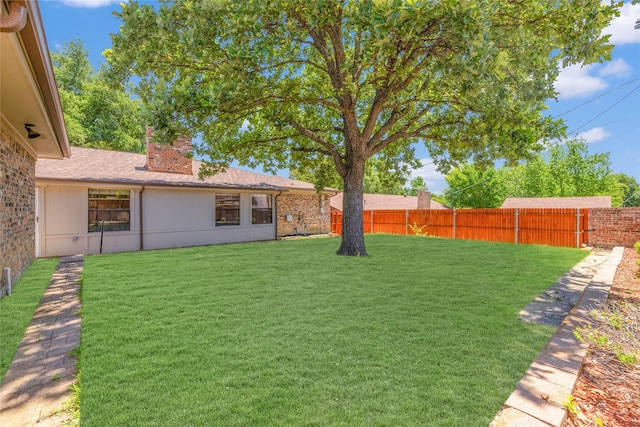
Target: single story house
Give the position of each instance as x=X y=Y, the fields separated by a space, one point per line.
x=31 y=127
x=557 y=202
x=392 y=201
x=107 y=201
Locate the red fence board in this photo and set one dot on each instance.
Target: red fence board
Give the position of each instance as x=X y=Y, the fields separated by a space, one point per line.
x=554 y=227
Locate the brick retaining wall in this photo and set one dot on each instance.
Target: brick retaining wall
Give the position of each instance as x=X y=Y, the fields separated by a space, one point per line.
x=609 y=227
x=17 y=217
x=305 y=213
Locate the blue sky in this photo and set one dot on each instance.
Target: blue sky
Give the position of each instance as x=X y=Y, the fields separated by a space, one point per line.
x=599 y=102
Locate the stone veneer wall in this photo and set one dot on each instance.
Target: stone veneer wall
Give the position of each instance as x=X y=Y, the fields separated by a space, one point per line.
x=17 y=217
x=609 y=227
x=305 y=212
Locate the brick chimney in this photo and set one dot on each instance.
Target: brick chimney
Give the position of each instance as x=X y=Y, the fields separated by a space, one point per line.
x=170 y=158
x=424 y=199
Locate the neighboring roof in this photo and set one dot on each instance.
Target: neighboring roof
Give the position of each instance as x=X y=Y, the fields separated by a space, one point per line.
x=115 y=167
x=28 y=90
x=385 y=201
x=557 y=202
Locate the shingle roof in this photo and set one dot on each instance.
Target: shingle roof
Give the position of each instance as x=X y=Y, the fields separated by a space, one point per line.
x=386 y=201
x=103 y=166
x=557 y=202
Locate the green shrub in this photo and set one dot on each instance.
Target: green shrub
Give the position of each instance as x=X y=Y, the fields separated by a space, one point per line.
x=637 y=246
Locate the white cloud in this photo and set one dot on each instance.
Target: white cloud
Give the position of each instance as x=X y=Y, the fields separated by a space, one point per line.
x=594 y=134
x=435 y=180
x=622 y=28
x=575 y=82
x=616 y=68
x=89 y=3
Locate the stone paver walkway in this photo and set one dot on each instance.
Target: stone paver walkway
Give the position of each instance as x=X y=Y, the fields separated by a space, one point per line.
x=43 y=368
x=555 y=303
x=538 y=398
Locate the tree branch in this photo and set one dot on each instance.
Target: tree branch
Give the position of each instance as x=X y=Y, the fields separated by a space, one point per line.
x=311 y=150
x=396 y=115
x=416 y=133
x=332 y=150
x=311 y=101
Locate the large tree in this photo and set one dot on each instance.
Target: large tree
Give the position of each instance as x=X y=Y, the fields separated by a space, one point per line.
x=473 y=186
x=575 y=172
x=283 y=82
x=415 y=186
x=630 y=190
x=96 y=113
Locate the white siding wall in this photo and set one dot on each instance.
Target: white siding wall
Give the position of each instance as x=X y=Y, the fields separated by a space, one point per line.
x=64 y=224
x=172 y=218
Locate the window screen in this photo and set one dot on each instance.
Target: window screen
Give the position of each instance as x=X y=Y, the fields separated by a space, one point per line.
x=110 y=209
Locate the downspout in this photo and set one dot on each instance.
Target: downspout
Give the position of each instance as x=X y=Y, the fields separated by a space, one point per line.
x=275 y=202
x=141 y=221
x=7 y=271
x=15 y=20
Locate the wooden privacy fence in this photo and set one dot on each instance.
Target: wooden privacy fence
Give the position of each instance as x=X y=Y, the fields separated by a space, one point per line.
x=554 y=227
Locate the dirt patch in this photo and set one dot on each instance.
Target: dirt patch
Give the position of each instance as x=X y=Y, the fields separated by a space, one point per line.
x=607 y=391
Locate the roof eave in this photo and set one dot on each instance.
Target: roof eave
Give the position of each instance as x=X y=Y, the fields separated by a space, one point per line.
x=37 y=51
x=139 y=183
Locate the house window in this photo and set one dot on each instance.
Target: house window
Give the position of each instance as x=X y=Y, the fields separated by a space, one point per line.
x=261 y=209
x=227 y=209
x=110 y=209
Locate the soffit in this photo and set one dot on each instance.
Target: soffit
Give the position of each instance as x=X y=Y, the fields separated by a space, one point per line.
x=26 y=94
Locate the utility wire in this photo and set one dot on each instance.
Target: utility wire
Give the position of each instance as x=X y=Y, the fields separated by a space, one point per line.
x=623 y=133
x=607 y=109
x=596 y=98
x=624 y=119
x=629 y=198
x=471 y=186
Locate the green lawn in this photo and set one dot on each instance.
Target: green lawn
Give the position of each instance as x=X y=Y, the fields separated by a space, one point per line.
x=423 y=332
x=17 y=310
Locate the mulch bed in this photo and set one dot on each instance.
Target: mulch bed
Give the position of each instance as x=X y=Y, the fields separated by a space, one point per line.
x=608 y=392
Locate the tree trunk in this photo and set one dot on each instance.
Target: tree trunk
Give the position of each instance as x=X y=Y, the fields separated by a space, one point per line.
x=352 y=207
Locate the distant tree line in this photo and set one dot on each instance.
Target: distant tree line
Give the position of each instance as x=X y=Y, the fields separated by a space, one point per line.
x=96 y=113
x=564 y=170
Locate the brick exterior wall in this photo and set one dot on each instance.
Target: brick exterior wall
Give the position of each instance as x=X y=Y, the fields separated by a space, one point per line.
x=17 y=217
x=305 y=212
x=173 y=158
x=609 y=227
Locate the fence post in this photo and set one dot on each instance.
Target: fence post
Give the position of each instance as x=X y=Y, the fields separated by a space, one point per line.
x=406 y=222
x=517 y=226
x=371 y=222
x=454 y=223
x=578 y=228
